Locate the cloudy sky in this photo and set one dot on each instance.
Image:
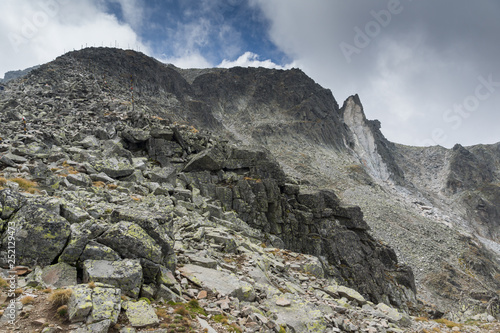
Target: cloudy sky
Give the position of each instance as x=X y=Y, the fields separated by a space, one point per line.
x=428 y=70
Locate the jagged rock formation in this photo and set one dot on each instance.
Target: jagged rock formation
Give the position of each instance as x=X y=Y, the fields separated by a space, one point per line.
x=139 y=161
x=11 y=75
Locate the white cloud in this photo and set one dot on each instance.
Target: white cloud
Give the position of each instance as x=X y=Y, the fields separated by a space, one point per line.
x=249 y=59
x=133 y=12
x=187 y=60
x=35 y=32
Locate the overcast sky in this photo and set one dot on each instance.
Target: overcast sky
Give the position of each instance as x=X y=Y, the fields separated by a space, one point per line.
x=428 y=70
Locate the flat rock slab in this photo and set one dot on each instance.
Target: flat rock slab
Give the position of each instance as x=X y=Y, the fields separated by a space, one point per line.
x=59 y=275
x=351 y=294
x=100 y=327
x=114 y=167
x=217 y=281
x=200 y=261
x=124 y=274
x=303 y=316
x=141 y=314
x=206 y=327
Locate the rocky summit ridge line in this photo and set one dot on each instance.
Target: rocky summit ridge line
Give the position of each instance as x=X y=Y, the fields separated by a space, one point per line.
x=154 y=180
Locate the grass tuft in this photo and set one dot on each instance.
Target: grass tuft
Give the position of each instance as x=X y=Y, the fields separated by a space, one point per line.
x=62 y=311
x=194 y=307
x=447 y=323
x=181 y=310
x=60 y=297
x=25 y=184
x=27 y=300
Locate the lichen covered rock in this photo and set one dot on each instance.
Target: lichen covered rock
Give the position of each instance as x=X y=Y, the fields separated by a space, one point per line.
x=141 y=314
x=40 y=235
x=131 y=241
x=124 y=274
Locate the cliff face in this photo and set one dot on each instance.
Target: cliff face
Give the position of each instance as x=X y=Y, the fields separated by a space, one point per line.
x=274 y=148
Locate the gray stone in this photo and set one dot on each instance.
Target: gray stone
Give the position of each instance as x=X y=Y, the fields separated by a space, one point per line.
x=211 y=159
x=201 y=261
x=106 y=304
x=135 y=135
x=141 y=314
x=73 y=213
x=394 y=315
x=10 y=202
x=90 y=142
x=114 y=167
x=131 y=241
x=165 y=174
x=80 y=303
x=158 y=226
x=205 y=326
x=148 y=291
x=59 y=275
x=101 y=177
x=79 y=179
x=37 y=228
x=77 y=242
x=99 y=327
x=218 y=281
x=125 y=274
x=167 y=294
x=351 y=294
x=97 y=251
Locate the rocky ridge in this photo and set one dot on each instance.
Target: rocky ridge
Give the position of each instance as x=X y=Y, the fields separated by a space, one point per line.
x=124 y=184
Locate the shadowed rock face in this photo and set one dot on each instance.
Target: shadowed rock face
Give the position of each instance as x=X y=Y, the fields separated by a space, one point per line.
x=271 y=147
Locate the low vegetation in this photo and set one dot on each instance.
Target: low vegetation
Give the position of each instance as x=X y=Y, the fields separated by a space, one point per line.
x=60 y=297
x=27 y=300
x=26 y=185
x=447 y=323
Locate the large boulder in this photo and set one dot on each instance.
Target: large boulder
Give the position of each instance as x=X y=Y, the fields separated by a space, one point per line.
x=39 y=235
x=80 y=303
x=78 y=240
x=94 y=304
x=106 y=304
x=114 y=167
x=59 y=275
x=156 y=225
x=124 y=274
x=162 y=149
x=131 y=241
x=165 y=174
x=211 y=159
x=141 y=314
x=96 y=251
x=135 y=135
x=10 y=202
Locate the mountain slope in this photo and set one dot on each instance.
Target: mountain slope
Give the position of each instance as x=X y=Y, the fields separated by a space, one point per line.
x=426 y=204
